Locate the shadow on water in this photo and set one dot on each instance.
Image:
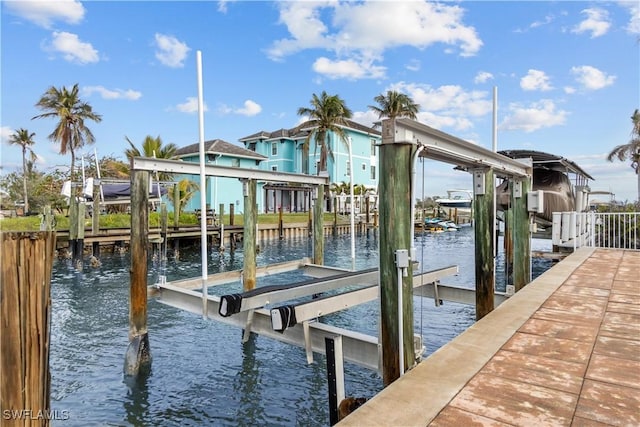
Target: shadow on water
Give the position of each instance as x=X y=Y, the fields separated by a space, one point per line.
x=136 y=403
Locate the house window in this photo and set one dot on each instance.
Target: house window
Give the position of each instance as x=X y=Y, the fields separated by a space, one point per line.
x=235 y=163
x=373 y=172
x=364 y=166
x=348 y=169
x=274 y=148
x=274 y=168
x=373 y=148
x=252 y=146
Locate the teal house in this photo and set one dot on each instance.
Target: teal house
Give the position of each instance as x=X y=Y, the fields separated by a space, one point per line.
x=219 y=190
x=287 y=150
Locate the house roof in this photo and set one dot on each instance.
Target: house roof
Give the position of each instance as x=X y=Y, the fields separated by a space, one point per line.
x=302 y=130
x=218 y=146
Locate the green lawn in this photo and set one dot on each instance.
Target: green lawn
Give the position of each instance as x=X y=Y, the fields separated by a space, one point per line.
x=32 y=223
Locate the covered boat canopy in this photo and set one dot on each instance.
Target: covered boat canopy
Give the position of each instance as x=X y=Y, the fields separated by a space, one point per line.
x=547 y=161
x=550 y=174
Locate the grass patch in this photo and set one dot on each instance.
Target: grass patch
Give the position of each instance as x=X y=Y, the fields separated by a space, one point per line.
x=32 y=223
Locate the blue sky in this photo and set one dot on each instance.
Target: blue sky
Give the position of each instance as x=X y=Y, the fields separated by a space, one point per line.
x=567 y=72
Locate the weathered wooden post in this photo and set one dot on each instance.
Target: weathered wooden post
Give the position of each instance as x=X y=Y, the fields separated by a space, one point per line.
x=95 y=218
x=396 y=166
x=47 y=222
x=232 y=236
x=484 y=225
x=335 y=218
x=249 y=237
x=176 y=206
x=164 y=225
x=318 y=226
x=521 y=234
x=138 y=356
x=25 y=307
x=280 y=224
x=221 y=208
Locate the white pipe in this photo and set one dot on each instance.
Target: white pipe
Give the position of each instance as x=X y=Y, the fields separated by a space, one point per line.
x=400 y=324
x=351 y=216
x=95 y=153
x=203 y=186
x=413 y=207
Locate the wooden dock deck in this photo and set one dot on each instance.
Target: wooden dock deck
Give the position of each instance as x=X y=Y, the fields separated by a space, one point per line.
x=564 y=351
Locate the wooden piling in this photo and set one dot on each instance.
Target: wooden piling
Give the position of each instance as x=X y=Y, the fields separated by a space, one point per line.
x=176 y=206
x=318 y=227
x=521 y=237
x=280 y=224
x=25 y=307
x=396 y=165
x=484 y=224
x=249 y=237
x=138 y=356
x=232 y=236
x=95 y=218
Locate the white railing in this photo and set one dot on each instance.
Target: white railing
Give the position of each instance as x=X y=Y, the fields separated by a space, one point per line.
x=616 y=230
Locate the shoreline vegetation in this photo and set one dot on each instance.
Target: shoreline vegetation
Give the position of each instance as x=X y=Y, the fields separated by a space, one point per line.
x=122 y=220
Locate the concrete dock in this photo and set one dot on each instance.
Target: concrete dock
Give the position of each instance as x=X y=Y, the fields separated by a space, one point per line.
x=564 y=351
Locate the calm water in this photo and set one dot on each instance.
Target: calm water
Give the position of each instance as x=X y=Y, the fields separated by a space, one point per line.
x=201 y=372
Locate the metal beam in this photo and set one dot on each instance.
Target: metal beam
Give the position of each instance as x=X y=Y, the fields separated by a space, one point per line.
x=234 y=275
x=358 y=348
x=450 y=149
x=313 y=286
x=331 y=304
x=189 y=168
x=454 y=294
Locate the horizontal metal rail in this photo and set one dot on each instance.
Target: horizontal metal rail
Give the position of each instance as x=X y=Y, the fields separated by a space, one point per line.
x=358 y=348
x=260 y=297
x=331 y=304
x=450 y=149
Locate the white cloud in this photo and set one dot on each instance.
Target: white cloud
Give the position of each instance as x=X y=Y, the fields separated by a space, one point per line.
x=413 y=65
x=597 y=23
x=535 y=80
x=591 y=78
x=446 y=106
x=569 y=90
x=105 y=93
x=538 y=115
x=44 y=13
x=633 y=26
x=171 y=51
x=350 y=69
x=358 y=33
x=222 y=5
x=72 y=48
x=482 y=77
x=250 y=108
x=5 y=133
x=190 y=106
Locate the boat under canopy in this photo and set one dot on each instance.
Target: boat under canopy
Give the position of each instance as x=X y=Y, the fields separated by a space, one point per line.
x=551 y=175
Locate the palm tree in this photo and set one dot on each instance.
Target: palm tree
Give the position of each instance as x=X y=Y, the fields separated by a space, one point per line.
x=152 y=147
x=630 y=150
x=395 y=104
x=70 y=132
x=23 y=138
x=329 y=112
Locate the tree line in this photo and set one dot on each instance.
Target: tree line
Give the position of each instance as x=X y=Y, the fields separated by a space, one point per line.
x=71 y=132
